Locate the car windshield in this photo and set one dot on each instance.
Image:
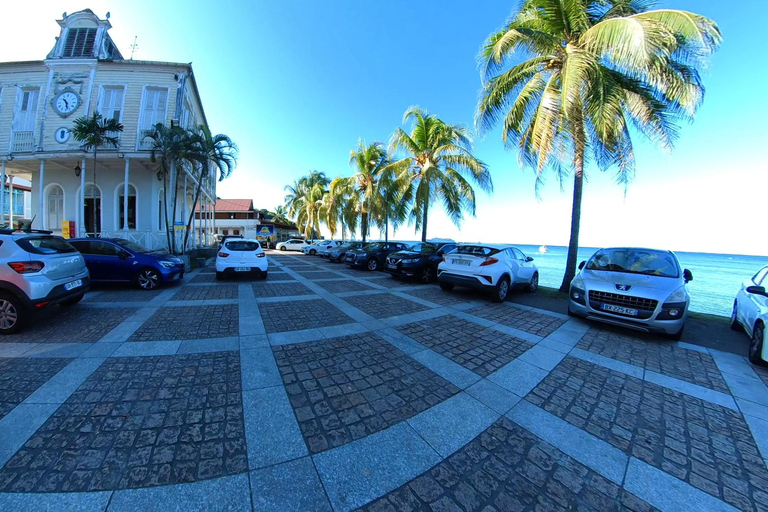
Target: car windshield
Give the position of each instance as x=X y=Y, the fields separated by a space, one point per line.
x=476 y=250
x=374 y=246
x=635 y=261
x=242 y=245
x=131 y=246
x=424 y=248
x=46 y=245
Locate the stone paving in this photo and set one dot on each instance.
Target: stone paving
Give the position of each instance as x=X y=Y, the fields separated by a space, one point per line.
x=325 y=388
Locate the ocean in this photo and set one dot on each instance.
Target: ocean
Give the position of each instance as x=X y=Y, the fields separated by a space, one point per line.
x=716 y=277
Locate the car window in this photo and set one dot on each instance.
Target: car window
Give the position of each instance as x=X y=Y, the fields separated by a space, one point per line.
x=760 y=276
x=635 y=261
x=241 y=245
x=82 y=245
x=476 y=250
x=448 y=248
x=104 y=248
x=45 y=245
x=517 y=254
x=132 y=246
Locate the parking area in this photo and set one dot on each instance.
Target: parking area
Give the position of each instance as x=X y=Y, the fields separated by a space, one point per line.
x=325 y=388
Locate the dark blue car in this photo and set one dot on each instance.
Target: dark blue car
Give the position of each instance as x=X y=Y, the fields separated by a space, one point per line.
x=116 y=260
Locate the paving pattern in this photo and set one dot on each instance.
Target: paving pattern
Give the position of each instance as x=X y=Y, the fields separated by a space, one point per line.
x=323 y=388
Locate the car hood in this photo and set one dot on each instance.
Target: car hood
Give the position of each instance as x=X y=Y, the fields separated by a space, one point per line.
x=638 y=284
x=407 y=254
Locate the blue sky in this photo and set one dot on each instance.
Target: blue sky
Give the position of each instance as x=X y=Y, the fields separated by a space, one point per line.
x=297 y=83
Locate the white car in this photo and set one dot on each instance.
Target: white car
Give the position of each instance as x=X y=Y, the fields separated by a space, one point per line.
x=750 y=312
x=241 y=256
x=496 y=268
x=294 y=244
x=311 y=247
x=327 y=246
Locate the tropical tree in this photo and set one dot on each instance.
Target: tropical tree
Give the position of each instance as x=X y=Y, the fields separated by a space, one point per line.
x=93 y=133
x=280 y=215
x=305 y=199
x=437 y=164
x=569 y=78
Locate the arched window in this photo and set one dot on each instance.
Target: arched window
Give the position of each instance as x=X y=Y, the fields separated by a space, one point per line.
x=55 y=205
x=131 y=206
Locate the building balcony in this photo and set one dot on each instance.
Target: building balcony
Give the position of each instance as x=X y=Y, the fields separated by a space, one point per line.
x=23 y=142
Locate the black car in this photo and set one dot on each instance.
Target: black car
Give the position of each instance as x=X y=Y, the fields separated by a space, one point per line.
x=373 y=255
x=336 y=255
x=420 y=261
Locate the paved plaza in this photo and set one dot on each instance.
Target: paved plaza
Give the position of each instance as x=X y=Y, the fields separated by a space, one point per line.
x=330 y=389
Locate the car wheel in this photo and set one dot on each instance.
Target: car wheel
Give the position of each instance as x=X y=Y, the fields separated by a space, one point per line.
x=71 y=302
x=756 y=346
x=446 y=287
x=264 y=275
x=12 y=314
x=312 y=252
x=735 y=325
x=219 y=276
x=534 y=284
x=502 y=289
x=148 y=279
x=282 y=248
x=373 y=264
x=427 y=275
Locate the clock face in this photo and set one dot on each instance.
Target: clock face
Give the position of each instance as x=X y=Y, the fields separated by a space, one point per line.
x=66 y=103
x=62 y=135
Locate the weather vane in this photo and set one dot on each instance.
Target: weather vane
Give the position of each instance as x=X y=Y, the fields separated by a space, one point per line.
x=134 y=46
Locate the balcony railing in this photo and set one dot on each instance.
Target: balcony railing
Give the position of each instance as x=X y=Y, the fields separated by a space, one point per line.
x=145 y=143
x=22 y=141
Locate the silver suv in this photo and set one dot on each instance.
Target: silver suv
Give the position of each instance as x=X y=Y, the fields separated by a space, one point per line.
x=37 y=270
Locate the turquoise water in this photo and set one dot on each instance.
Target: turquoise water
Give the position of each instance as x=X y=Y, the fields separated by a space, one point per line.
x=716 y=277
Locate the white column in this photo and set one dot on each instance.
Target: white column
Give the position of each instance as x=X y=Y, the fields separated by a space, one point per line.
x=40 y=187
x=192 y=227
x=10 y=200
x=2 y=192
x=125 y=194
x=81 y=227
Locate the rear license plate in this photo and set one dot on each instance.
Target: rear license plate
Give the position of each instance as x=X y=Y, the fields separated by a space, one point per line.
x=619 y=309
x=242 y=269
x=460 y=262
x=73 y=285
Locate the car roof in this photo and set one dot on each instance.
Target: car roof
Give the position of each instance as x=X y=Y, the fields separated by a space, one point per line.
x=491 y=246
x=244 y=240
x=634 y=249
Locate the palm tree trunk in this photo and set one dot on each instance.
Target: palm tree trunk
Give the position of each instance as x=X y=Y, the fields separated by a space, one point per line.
x=364 y=224
x=198 y=191
x=165 y=209
x=93 y=193
x=578 y=188
x=424 y=221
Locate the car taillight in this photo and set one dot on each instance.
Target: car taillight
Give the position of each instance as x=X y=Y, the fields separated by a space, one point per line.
x=261 y=255
x=489 y=261
x=26 y=267
x=223 y=254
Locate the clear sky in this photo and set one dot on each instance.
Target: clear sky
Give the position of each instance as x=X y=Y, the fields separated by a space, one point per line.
x=297 y=82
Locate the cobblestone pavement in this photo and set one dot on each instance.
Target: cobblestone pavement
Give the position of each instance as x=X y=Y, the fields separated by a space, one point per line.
x=324 y=388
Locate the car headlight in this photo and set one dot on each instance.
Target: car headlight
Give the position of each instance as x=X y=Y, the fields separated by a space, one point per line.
x=167 y=264
x=578 y=282
x=679 y=295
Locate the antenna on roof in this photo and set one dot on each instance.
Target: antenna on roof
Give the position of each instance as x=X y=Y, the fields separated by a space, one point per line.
x=134 y=46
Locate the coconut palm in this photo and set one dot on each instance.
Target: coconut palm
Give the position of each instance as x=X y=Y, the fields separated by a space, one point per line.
x=569 y=79
x=305 y=199
x=437 y=164
x=280 y=215
x=93 y=133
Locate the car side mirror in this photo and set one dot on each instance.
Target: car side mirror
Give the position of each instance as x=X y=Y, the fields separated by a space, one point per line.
x=757 y=290
x=687 y=275
x=528 y=259
x=581 y=265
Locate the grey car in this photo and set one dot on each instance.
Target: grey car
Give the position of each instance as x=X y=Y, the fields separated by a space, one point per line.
x=642 y=289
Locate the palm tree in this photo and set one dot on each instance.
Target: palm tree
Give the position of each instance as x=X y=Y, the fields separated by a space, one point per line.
x=439 y=156
x=280 y=215
x=93 y=133
x=209 y=152
x=584 y=73
x=305 y=199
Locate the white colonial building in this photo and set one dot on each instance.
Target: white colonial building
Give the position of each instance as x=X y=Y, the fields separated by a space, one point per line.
x=85 y=72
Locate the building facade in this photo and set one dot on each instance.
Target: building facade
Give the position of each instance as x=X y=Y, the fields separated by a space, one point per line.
x=239 y=217
x=121 y=194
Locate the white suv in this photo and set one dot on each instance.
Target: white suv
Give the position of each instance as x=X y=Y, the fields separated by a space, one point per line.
x=241 y=256
x=37 y=270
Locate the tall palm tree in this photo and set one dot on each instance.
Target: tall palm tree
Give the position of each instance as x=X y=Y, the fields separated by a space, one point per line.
x=209 y=152
x=280 y=215
x=569 y=79
x=437 y=164
x=305 y=199
x=93 y=133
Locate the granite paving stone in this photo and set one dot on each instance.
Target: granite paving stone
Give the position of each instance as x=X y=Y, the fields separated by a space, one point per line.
x=280 y=289
x=306 y=314
x=139 y=422
x=480 y=349
x=438 y=296
x=314 y=274
x=20 y=377
x=382 y=280
x=762 y=373
x=506 y=468
x=189 y=322
x=279 y=276
x=70 y=325
x=119 y=295
x=523 y=319
x=349 y=387
x=384 y=305
x=206 y=277
x=659 y=356
x=704 y=444
x=220 y=291
x=343 y=285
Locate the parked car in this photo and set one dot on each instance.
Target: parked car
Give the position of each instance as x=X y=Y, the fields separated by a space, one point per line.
x=325 y=247
x=337 y=255
x=750 y=313
x=373 y=255
x=119 y=260
x=37 y=270
x=241 y=257
x=220 y=238
x=495 y=268
x=643 y=289
x=420 y=261
x=311 y=247
x=294 y=244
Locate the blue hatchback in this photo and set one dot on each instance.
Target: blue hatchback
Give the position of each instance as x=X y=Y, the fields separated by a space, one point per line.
x=116 y=260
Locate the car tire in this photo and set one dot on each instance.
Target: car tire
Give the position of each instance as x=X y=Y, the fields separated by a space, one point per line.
x=534 y=284
x=282 y=248
x=372 y=264
x=71 y=302
x=312 y=252
x=756 y=345
x=735 y=325
x=264 y=275
x=219 y=276
x=446 y=287
x=148 y=279
x=13 y=315
x=502 y=289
